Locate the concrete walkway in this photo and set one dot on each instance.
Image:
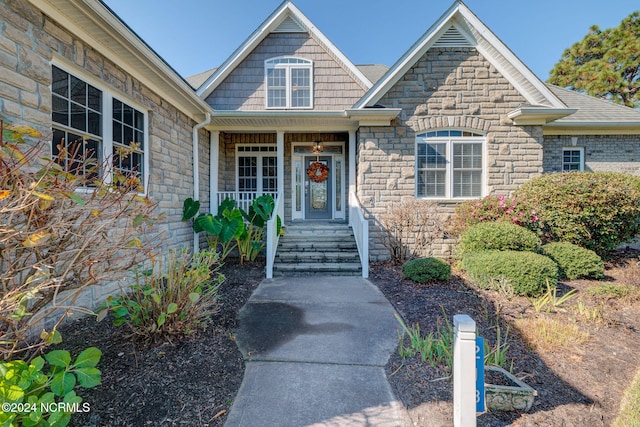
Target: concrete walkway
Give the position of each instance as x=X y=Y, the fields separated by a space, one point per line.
x=315 y=350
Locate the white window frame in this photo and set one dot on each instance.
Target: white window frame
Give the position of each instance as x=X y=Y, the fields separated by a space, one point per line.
x=108 y=94
x=581 y=161
x=450 y=138
x=259 y=155
x=288 y=64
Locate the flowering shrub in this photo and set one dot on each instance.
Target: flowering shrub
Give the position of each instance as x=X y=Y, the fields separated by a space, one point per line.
x=595 y=210
x=497 y=208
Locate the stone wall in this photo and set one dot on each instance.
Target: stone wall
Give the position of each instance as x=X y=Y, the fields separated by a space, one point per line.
x=448 y=88
x=29 y=42
x=615 y=153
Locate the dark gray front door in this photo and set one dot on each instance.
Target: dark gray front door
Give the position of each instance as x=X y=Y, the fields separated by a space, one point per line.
x=318 y=194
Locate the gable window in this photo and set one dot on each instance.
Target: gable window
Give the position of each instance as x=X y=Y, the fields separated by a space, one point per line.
x=257 y=169
x=572 y=159
x=95 y=128
x=449 y=164
x=289 y=82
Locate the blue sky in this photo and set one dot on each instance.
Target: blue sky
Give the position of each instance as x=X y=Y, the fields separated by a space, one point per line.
x=196 y=35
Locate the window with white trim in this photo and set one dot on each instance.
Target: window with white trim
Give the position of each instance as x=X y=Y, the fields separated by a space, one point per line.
x=128 y=135
x=94 y=127
x=257 y=169
x=449 y=164
x=77 y=116
x=572 y=159
x=289 y=82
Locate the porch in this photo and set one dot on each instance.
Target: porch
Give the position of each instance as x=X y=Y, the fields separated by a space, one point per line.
x=251 y=164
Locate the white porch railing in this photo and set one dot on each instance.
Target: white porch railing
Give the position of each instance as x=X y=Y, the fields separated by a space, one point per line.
x=272 y=233
x=360 y=227
x=243 y=198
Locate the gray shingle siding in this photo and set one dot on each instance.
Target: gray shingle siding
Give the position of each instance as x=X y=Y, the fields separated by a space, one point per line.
x=243 y=89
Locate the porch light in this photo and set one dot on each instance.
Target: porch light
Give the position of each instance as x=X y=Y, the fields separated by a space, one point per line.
x=318 y=147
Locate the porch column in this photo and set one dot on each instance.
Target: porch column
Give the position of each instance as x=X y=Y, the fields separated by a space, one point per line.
x=280 y=161
x=352 y=167
x=214 y=154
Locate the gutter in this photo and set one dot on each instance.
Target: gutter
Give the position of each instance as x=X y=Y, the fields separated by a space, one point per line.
x=196 y=171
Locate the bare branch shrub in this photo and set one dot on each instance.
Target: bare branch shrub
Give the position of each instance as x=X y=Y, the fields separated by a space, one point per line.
x=410 y=227
x=60 y=232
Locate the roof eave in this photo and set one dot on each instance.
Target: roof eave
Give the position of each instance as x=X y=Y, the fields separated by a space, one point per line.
x=456 y=11
x=374 y=116
x=143 y=63
x=268 y=25
x=592 y=128
x=404 y=63
x=525 y=116
x=300 y=120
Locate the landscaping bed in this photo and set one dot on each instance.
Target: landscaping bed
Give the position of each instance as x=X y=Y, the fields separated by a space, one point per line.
x=578 y=384
x=194 y=382
x=189 y=383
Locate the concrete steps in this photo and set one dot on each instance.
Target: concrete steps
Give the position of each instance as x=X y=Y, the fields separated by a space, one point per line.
x=312 y=248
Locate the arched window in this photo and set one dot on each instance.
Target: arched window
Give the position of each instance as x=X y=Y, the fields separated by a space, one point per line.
x=449 y=164
x=289 y=82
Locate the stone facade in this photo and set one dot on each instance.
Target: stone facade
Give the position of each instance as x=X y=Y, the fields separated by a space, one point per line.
x=29 y=43
x=448 y=88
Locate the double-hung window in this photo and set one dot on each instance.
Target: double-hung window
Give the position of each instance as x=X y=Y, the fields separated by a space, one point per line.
x=289 y=82
x=128 y=139
x=257 y=169
x=77 y=116
x=449 y=164
x=94 y=129
x=572 y=159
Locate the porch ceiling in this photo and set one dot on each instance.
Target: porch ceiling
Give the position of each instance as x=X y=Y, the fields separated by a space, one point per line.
x=243 y=121
x=243 y=124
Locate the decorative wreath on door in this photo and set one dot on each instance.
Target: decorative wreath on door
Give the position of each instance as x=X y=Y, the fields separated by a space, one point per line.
x=318 y=172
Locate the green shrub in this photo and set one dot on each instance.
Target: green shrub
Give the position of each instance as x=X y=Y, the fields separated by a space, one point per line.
x=423 y=270
x=500 y=236
x=574 y=262
x=233 y=228
x=32 y=396
x=493 y=208
x=175 y=303
x=526 y=272
x=595 y=210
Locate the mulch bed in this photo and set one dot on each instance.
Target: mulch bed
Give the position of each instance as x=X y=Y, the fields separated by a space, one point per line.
x=194 y=382
x=188 y=383
x=581 y=386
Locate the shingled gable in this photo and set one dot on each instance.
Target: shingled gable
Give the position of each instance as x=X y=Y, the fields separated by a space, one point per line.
x=286 y=18
x=459 y=27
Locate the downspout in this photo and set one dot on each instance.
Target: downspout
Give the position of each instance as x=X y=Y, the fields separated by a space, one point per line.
x=196 y=171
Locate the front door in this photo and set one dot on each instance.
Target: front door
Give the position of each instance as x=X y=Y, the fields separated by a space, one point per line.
x=318 y=187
